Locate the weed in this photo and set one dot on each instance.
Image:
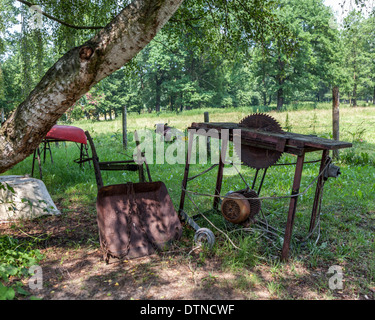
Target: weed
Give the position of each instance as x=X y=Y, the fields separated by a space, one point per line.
x=15 y=259
x=246 y=281
x=275 y=289
x=288 y=126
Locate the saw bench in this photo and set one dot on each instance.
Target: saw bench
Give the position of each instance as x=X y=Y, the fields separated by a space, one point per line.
x=262 y=142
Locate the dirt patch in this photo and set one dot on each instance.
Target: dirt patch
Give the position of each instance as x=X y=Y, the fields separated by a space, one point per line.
x=73 y=268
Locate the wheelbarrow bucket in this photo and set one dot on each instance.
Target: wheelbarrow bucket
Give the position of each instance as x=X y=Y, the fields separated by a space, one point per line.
x=136 y=219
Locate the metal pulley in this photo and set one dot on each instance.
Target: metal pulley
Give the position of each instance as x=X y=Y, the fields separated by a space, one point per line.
x=204 y=236
x=332 y=171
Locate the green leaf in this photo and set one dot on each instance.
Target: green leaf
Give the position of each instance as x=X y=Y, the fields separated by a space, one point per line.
x=10 y=188
x=6 y=293
x=7 y=270
x=22 y=291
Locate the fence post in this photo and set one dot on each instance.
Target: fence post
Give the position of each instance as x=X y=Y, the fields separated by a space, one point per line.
x=124 y=128
x=207 y=119
x=335 y=117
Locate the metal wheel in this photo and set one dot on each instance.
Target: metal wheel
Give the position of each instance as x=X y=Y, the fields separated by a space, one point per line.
x=204 y=236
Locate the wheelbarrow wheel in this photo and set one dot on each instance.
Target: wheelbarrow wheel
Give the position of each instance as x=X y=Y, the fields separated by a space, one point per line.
x=204 y=236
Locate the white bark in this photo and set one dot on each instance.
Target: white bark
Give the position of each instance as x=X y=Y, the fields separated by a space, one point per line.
x=76 y=72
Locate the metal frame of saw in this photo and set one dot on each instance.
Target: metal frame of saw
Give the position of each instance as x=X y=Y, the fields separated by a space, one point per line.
x=292 y=143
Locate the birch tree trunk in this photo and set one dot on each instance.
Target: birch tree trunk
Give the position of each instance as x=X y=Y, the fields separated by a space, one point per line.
x=76 y=72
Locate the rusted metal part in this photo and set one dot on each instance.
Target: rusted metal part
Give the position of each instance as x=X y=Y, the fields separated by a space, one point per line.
x=260 y=158
x=219 y=179
x=318 y=190
x=123 y=165
x=135 y=220
x=261 y=182
x=235 y=208
x=255 y=203
x=292 y=207
x=45 y=146
x=36 y=156
x=279 y=142
x=241 y=206
x=294 y=143
x=95 y=160
x=186 y=175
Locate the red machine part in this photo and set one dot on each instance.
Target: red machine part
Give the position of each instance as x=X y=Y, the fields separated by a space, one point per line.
x=67 y=133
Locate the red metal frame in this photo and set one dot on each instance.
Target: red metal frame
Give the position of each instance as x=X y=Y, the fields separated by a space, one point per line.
x=67 y=133
x=61 y=133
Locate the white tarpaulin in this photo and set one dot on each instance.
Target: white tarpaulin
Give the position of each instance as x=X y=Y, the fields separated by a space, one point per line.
x=23 y=197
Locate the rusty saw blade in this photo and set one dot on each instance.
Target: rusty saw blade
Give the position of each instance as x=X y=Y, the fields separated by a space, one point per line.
x=255 y=157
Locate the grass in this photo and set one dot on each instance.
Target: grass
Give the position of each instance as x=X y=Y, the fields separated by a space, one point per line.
x=347 y=221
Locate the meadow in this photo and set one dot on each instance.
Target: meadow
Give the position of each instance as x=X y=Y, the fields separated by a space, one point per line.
x=345 y=233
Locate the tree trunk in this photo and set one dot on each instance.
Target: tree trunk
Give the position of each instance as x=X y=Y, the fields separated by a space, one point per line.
x=264 y=91
x=181 y=101
x=354 y=100
x=335 y=118
x=280 y=99
x=280 y=82
x=76 y=72
x=269 y=100
x=264 y=96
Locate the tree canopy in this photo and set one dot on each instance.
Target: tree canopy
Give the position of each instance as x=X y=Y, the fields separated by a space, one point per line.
x=211 y=53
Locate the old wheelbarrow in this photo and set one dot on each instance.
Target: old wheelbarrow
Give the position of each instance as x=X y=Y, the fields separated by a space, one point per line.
x=136 y=219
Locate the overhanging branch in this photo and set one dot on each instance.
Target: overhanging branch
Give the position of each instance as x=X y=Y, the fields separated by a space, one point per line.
x=60 y=21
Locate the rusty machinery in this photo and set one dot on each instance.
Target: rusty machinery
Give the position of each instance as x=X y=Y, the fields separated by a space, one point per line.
x=263 y=141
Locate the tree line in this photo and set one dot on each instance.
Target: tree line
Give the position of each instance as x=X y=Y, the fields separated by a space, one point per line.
x=203 y=57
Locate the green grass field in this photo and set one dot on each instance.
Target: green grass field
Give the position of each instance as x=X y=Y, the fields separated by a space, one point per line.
x=345 y=236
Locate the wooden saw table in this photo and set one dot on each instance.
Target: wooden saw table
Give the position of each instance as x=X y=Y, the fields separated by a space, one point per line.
x=292 y=143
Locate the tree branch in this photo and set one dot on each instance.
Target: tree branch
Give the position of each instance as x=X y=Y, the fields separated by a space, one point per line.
x=76 y=72
x=60 y=21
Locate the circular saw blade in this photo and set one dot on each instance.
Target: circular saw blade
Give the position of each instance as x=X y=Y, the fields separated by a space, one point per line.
x=259 y=158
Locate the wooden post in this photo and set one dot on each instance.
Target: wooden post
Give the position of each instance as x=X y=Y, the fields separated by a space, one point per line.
x=292 y=207
x=207 y=119
x=124 y=128
x=335 y=118
x=219 y=179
